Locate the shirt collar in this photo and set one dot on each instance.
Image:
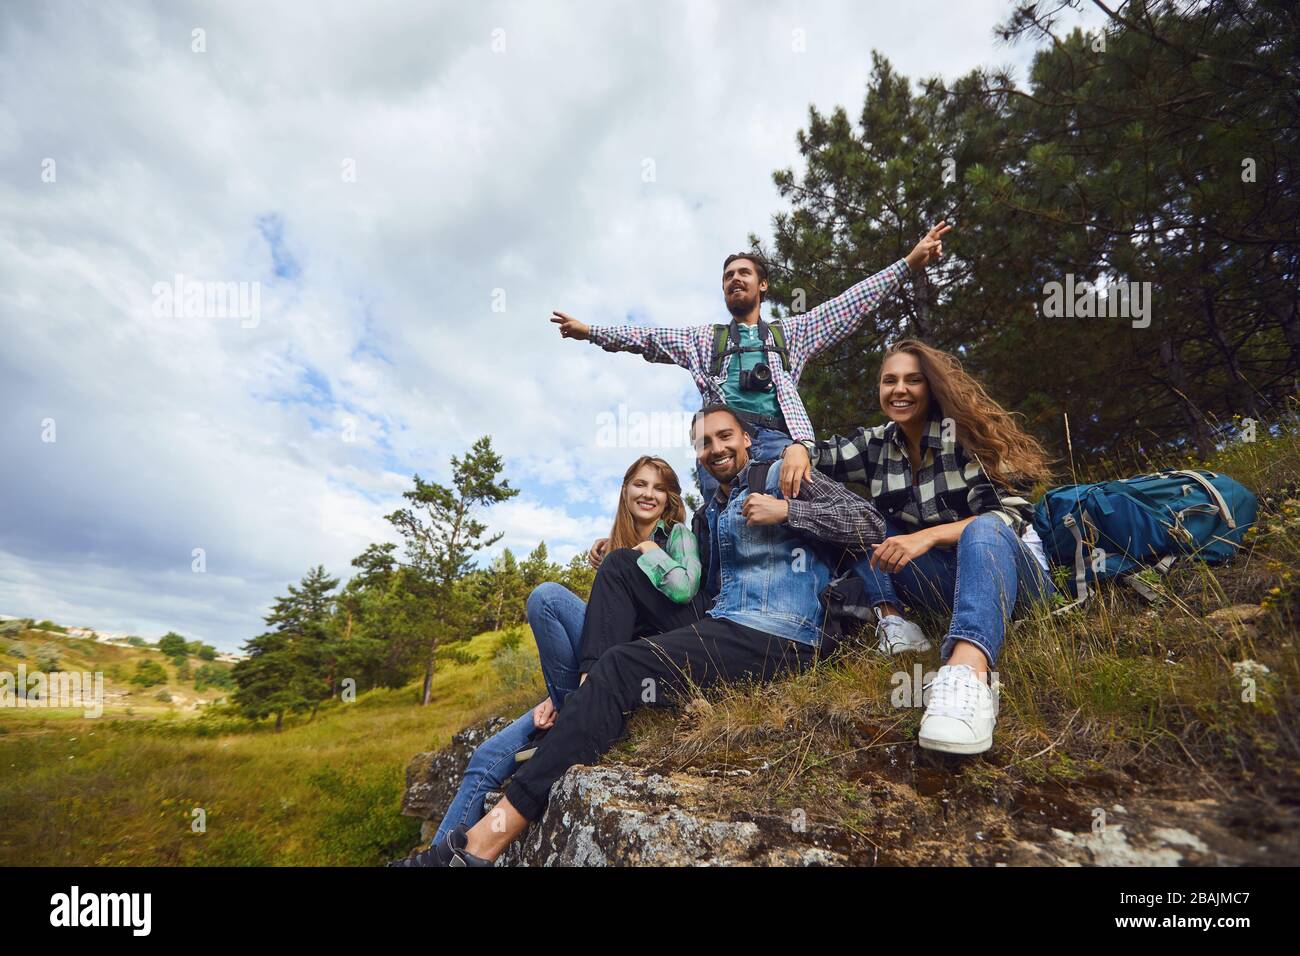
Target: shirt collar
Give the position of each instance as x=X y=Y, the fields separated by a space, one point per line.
x=742 y=477
x=932 y=437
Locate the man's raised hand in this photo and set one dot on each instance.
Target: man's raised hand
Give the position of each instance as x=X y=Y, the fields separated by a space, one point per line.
x=571 y=328
x=928 y=249
x=796 y=468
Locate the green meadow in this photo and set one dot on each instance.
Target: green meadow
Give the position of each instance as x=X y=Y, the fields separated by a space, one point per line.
x=123 y=789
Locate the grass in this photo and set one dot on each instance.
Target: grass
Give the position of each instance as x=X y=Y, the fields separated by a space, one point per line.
x=123 y=791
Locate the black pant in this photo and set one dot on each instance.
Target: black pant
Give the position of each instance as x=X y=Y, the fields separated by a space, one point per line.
x=624 y=605
x=654 y=671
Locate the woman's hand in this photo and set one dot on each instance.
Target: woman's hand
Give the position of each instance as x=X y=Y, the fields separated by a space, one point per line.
x=796 y=467
x=894 y=554
x=544 y=715
x=929 y=249
x=645 y=547
x=597 y=552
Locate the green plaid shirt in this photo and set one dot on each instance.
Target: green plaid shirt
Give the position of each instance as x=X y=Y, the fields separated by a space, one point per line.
x=674 y=566
x=949 y=487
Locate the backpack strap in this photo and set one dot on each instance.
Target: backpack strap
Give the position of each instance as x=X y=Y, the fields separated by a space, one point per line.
x=725 y=335
x=757 y=477
x=720 y=333
x=778 y=339
x=1161 y=567
x=1144 y=590
x=1224 y=511
x=1080 y=567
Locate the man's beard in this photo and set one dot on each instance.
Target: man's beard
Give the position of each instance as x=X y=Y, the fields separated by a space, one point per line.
x=738 y=464
x=740 y=306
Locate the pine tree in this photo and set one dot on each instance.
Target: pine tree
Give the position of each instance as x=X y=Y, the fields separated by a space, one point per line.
x=290 y=668
x=441 y=537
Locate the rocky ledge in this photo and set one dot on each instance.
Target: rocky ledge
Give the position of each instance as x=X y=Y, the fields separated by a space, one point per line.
x=620 y=815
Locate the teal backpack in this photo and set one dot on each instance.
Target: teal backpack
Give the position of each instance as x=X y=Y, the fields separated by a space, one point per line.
x=1115 y=529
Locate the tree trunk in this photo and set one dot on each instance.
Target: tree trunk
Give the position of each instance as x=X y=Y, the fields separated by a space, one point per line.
x=1290 y=322
x=921 y=304
x=1178 y=382
x=279 y=720
x=1245 y=393
x=428 y=677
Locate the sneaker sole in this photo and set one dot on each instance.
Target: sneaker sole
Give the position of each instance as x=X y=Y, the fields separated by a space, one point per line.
x=905 y=648
x=949 y=747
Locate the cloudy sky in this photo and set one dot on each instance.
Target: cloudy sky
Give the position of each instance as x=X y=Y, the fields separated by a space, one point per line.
x=410 y=189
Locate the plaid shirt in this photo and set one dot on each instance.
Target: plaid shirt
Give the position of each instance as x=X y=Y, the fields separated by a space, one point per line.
x=950 y=485
x=806 y=335
x=674 y=566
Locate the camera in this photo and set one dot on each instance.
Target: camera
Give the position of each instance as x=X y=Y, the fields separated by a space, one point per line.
x=756 y=379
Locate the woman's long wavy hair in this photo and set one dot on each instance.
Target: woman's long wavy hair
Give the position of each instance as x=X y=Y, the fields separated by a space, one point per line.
x=984 y=428
x=624 y=533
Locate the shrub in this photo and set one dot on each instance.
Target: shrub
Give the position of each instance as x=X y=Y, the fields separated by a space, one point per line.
x=149 y=673
x=516 y=668
x=172 y=644
x=510 y=640
x=457 y=655
x=47 y=657
x=163 y=695
x=213 y=675
x=356 y=815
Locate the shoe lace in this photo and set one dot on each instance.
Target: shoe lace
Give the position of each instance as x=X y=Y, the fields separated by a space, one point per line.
x=953 y=696
x=886 y=628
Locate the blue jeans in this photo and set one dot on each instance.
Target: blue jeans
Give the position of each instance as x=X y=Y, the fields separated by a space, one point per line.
x=555 y=615
x=765 y=444
x=983 y=581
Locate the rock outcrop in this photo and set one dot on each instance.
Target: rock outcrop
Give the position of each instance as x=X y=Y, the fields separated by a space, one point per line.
x=918 y=814
x=432 y=778
x=620 y=816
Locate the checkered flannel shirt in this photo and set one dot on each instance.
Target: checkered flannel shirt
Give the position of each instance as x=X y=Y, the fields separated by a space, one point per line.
x=951 y=485
x=806 y=335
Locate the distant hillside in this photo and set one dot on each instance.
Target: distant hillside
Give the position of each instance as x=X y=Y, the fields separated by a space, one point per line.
x=119 y=662
x=123 y=789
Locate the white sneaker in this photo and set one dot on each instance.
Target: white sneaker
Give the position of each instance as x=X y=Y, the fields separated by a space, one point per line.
x=959 y=712
x=896 y=636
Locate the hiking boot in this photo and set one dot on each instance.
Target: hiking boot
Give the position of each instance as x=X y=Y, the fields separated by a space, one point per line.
x=450 y=851
x=897 y=636
x=959 y=712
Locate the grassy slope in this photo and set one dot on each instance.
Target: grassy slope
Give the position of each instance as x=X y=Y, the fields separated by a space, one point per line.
x=118 y=791
x=117 y=663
